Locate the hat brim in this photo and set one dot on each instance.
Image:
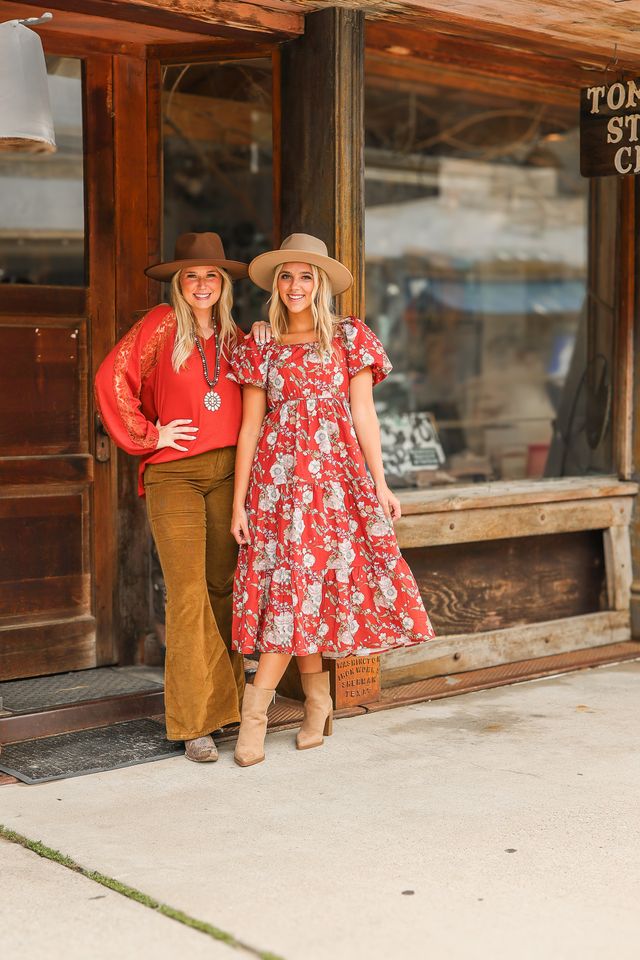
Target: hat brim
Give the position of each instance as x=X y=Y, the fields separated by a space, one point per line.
x=263 y=267
x=165 y=271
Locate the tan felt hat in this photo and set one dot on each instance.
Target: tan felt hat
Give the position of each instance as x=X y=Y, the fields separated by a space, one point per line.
x=197 y=250
x=299 y=248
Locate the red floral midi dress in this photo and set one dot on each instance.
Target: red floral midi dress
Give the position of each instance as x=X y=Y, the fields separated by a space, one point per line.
x=323 y=571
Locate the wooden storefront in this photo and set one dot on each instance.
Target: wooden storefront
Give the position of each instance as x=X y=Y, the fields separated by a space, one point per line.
x=511 y=568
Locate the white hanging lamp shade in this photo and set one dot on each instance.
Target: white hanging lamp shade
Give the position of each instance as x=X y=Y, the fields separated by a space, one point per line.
x=26 y=123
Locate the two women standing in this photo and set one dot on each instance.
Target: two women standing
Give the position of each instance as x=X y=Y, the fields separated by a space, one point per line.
x=320 y=572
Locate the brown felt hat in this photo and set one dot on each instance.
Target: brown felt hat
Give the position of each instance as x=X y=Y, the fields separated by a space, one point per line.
x=300 y=248
x=197 y=250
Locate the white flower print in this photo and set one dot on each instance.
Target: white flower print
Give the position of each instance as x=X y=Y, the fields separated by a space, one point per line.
x=315 y=467
x=379 y=527
x=313 y=599
x=283 y=628
x=389 y=592
x=296 y=528
x=347 y=552
x=278 y=473
x=322 y=439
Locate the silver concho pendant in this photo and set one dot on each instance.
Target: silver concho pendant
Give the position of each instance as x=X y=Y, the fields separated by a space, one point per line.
x=212 y=401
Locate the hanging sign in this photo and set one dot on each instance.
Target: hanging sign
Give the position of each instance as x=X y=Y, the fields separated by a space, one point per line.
x=610 y=129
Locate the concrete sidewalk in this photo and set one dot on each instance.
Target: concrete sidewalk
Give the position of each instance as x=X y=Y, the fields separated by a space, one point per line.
x=494 y=825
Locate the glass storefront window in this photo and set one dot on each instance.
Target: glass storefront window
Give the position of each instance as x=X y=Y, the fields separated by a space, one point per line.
x=42 y=194
x=480 y=282
x=217 y=151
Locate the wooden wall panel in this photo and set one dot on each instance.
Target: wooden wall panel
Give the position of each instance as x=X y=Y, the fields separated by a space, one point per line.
x=55 y=646
x=41 y=372
x=474 y=587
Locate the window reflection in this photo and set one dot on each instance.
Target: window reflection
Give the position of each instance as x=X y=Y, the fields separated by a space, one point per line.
x=217 y=148
x=42 y=196
x=477 y=269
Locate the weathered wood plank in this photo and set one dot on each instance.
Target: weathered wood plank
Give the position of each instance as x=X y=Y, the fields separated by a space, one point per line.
x=30 y=471
x=100 y=203
x=136 y=87
x=471 y=652
x=624 y=352
x=617 y=551
x=44 y=598
x=51 y=647
x=489 y=585
x=225 y=18
x=512 y=493
x=463 y=56
x=498 y=523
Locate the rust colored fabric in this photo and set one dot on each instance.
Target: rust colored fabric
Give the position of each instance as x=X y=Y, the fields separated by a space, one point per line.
x=137 y=385
x=189 y=507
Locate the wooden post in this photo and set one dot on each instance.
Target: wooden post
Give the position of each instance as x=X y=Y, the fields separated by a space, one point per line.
x=322 y=193
x=322 y=137
x=137 y=211
x=633 y=299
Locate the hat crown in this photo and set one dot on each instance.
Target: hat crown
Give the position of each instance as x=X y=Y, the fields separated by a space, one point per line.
x=199 y=246
x=305 y=242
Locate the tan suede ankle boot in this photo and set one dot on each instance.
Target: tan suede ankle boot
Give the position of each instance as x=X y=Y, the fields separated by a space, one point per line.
x=318 y=711
x=253 y=726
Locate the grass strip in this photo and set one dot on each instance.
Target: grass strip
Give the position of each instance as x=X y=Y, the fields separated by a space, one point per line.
x=132 y=894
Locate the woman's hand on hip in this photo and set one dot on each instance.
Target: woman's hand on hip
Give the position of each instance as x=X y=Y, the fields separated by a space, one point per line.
x=240 y=525
x=170 y=433
x=261 y=332
x=388 y=501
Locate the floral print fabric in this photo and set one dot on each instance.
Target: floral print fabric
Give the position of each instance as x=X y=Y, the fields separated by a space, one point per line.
x=323 y=571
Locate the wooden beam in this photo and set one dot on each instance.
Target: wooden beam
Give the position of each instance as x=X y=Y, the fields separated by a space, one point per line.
x=322 y=139
x=99 y=203
x=500 y=523
x=470 y=55
x=136 y=91
x=617 y=556
x=225 y=18
x=512 y=493
x=595 y=34
x=635 y=435
x=451 y=655
x=624 y=359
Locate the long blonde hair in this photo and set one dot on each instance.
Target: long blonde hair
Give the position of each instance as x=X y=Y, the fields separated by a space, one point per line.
x=324 y=319
x=186 y=321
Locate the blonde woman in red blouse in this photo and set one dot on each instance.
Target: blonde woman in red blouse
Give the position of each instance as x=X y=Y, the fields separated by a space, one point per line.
x=164 y=395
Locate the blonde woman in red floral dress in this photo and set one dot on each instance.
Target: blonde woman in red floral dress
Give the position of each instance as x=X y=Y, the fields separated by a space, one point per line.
x=319 y=572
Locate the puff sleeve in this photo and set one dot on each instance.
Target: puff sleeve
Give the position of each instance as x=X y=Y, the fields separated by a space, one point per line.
x=364 y=350
x=249 y=364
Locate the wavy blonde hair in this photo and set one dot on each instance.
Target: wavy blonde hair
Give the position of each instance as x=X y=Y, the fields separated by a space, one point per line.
x=186 y=321
x=324 y=318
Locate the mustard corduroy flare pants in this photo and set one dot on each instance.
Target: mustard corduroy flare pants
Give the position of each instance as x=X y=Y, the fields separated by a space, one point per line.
x=189 y=507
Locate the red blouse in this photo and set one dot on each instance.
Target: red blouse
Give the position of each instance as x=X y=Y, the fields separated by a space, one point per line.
x=137 y=385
